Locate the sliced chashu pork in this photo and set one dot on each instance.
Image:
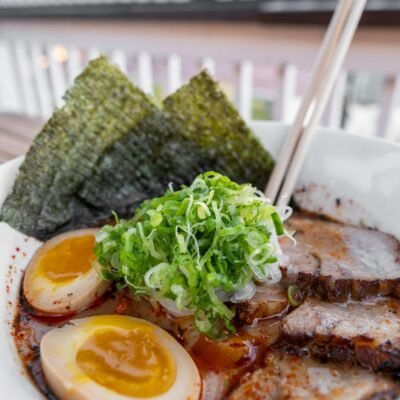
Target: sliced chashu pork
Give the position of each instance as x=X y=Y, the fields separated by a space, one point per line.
x=333 y=261
x=289 y=377
x=337 y=261
x=269 y=300
x=368 y=333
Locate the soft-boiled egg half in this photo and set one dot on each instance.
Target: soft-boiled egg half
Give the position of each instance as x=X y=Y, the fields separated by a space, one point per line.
x=62 y=278
x=115 y=357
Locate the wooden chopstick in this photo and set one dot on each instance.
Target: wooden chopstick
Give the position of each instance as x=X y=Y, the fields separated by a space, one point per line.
x=327 y=67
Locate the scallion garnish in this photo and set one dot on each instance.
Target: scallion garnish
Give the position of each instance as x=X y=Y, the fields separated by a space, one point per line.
x=196 y=247
x=295 y=296
x=276 y=219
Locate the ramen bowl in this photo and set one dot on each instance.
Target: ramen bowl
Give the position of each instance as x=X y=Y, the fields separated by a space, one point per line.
x=350 y=178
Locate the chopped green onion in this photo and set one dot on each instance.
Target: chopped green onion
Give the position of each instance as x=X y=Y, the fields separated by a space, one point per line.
x=295 y=296
x=196 y=247
x=276 y=219
x=201 y=213
x=156 y=219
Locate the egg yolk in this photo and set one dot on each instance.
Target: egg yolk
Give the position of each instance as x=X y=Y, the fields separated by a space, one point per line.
x=68 y=259
x=129 y=362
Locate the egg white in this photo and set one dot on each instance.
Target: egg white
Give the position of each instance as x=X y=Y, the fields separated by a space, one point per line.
x=62 y=298
x=60 y=346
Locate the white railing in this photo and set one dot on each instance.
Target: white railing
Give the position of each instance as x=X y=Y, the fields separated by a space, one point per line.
x=39 y=60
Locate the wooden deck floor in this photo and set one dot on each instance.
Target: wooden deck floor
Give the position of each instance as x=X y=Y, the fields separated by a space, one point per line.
x=16 y=135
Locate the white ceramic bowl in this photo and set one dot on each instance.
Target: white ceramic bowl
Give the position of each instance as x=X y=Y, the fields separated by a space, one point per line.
x=351 y=178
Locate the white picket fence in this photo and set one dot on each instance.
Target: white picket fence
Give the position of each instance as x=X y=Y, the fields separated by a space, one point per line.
x=39 y=60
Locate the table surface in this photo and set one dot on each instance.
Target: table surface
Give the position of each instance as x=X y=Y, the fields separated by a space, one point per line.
x=16 y=135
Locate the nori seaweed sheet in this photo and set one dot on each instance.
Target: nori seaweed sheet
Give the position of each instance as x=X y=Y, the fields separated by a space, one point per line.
x=109 y=148
x=162 y=150
x=202 y=113
x=100 y=108
x=141 y=165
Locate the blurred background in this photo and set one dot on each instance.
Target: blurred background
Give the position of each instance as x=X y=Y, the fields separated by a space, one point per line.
x=260 y=51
